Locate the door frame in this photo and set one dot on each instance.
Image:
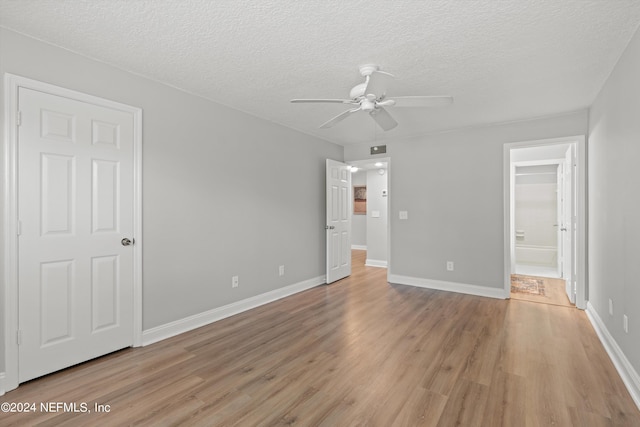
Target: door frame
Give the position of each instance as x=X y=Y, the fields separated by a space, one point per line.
x=12 y=83
x=388 y=160
x=580 y=230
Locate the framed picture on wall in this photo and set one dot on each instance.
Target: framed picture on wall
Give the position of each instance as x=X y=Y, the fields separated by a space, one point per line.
x=359 y=199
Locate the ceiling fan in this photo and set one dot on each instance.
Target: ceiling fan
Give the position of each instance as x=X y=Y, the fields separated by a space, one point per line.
x=371 y=97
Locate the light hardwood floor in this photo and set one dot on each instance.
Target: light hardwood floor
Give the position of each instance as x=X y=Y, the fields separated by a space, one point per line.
x=357 y=352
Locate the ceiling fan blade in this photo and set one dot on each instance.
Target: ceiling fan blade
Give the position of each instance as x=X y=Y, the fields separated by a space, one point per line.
x=338 y=118
x=377 y=84
x=333 y=101
x=386 y=103
x=383 y=118
x=422 y=101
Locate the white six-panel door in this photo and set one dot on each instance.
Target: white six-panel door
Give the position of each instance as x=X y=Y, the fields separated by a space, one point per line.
x=338 y=221
x=75 y=206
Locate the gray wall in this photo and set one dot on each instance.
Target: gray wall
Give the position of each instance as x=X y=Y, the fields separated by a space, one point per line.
x=451 y=184
x=376 y=227
x=224 y=193
x=614 y=202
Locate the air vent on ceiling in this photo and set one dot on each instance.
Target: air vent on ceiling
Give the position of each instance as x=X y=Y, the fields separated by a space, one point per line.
x=378 y=149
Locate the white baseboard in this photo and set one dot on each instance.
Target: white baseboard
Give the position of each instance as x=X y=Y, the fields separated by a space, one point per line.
x=625 y=369
x=375 y=263
x=359 y=247
x=177 y=327
x=441 y=285
x=2 y=383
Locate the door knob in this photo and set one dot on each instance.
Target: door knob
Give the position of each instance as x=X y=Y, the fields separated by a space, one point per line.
x=329 y=227
x=126 y=242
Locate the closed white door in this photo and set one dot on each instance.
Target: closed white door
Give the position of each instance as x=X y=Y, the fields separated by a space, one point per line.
x=75 y=208
x=338 y=221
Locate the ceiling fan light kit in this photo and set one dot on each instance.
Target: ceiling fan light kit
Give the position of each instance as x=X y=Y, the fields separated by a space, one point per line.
x=371 y=97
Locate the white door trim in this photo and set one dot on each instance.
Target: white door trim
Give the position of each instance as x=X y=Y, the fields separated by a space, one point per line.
x=581 y=217
x=11 y=85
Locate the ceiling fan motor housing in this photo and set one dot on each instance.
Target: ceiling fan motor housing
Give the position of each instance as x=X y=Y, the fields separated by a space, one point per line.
x=367 y=105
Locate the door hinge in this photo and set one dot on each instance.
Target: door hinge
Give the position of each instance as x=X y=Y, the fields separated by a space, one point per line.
x=19 y=228
x=19 y=337
x=19 y=118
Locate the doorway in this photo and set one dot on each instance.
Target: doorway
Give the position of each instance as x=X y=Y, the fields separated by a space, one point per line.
x=73 y=283
x=370 y=219
x=544 y=221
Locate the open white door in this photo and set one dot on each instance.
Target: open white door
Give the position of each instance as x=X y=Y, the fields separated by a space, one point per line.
x=338 y=225
x=75 y=262
x=560 y=226
x=568 y=224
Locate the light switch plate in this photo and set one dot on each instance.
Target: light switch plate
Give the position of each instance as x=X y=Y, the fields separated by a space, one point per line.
x=404 y=215
x=625 y=323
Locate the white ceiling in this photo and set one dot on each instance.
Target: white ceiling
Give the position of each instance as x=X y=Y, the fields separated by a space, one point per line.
x=501 y=60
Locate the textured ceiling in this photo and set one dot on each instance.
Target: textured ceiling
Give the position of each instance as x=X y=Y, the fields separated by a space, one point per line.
x=501 y=60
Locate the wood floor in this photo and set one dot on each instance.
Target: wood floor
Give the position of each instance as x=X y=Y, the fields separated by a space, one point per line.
x=357 y=352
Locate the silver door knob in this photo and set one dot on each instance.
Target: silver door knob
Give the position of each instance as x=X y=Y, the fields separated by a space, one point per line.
x=126 y=242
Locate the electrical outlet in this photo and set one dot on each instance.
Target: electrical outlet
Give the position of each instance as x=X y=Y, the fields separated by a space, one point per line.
x=281 y=270
x=625 y=324
x=234 y=282
x=610 y=307
x=449 y=265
